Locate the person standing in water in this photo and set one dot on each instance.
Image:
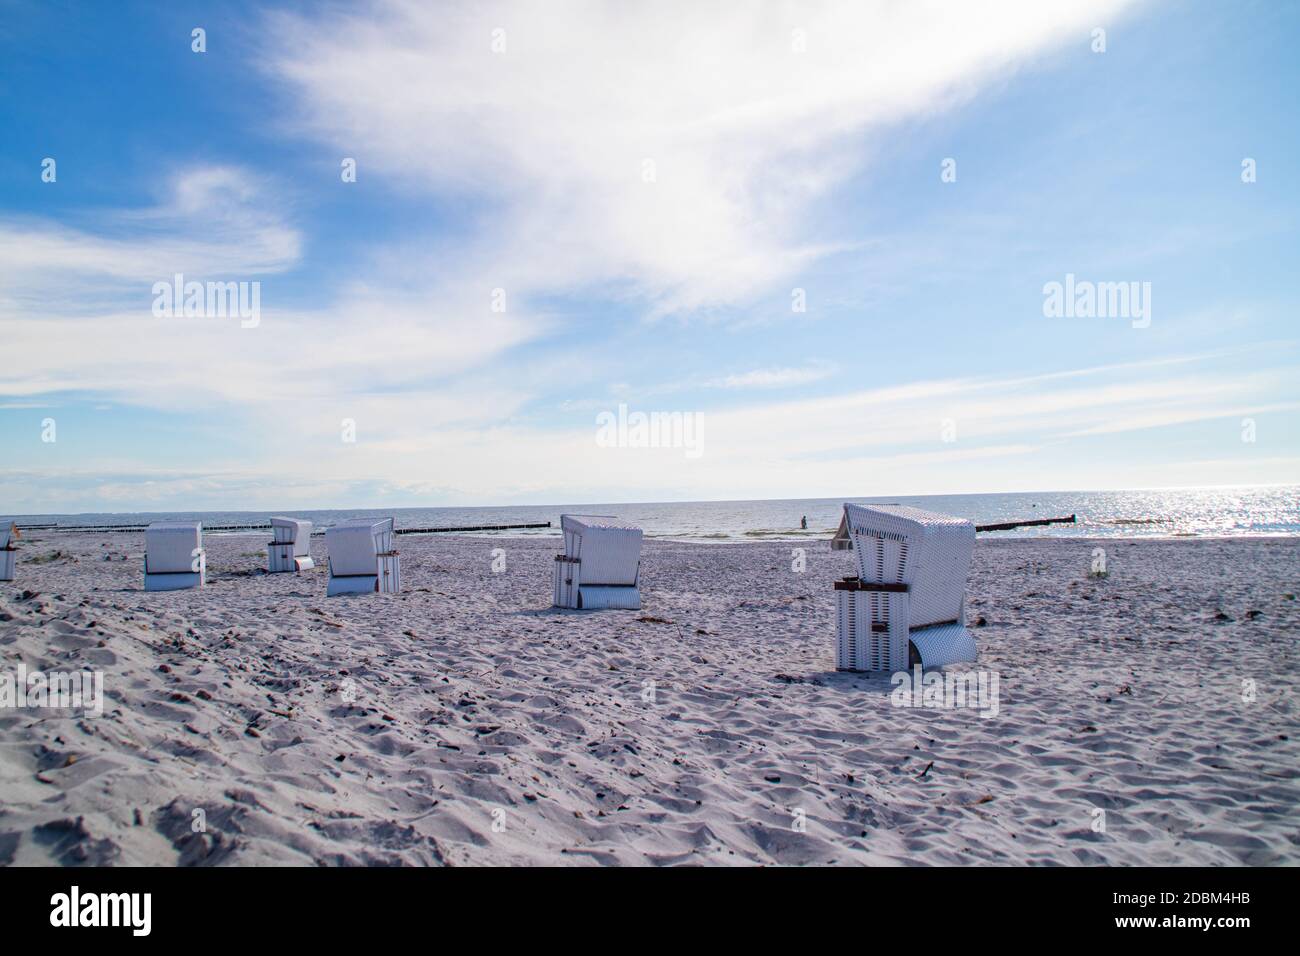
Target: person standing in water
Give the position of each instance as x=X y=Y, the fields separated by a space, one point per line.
x=803 y=522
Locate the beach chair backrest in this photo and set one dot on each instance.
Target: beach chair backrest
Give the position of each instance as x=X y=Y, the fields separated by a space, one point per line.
x=170 y=546
x=355 y=545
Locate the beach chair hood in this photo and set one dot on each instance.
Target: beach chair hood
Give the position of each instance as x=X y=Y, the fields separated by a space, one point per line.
x=927 y=551
x=170 y=546
x=296 y=530
x=609 y=549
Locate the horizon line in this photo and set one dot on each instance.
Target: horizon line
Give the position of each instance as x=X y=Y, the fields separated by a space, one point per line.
x=689 y=501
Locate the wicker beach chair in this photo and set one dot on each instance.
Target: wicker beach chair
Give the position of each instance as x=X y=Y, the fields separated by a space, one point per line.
x=290 y=549
x=601 y=564
x=173 y=556
x=907 y=603
x=362 y=559
x=8 y=553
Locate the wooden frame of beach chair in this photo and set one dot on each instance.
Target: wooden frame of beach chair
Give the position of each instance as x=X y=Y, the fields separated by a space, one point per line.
x=907 y=604
x=8 y=553
x=174 y=558
x=362 y=559
x=290 y=550
x=601 y=564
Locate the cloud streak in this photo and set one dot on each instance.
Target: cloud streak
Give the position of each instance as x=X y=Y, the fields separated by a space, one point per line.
x=774 y=377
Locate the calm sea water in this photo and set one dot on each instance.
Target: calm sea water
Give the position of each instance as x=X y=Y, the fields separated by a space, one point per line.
x=1181 y=512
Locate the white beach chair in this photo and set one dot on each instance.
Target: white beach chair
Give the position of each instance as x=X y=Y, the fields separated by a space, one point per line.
x=909 y=593
x=601 y=564
x=290 y=550
x=361 y=557
x=173 y=556
x=8 y=553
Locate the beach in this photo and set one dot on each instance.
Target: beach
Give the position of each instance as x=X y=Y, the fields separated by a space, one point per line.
x=1144 y=718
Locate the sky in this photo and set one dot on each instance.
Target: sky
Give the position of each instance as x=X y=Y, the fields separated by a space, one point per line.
x=823 y=236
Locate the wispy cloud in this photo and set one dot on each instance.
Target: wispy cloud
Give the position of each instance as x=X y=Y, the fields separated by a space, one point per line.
x=78 y=308
x=672 y=150
x=944 y=435
x=775 y=377
x=214 y=222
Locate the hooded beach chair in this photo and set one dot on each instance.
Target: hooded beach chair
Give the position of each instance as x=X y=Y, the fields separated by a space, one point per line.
x=290 y=549
x=907 y=604
x=601 y=564
x=8 y=553
x=173 y=556
x=361 y=557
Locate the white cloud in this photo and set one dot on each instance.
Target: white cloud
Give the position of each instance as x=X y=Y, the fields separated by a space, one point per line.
x=77 y=306
x=545 y=143
x=215 y=221
x=553 y=134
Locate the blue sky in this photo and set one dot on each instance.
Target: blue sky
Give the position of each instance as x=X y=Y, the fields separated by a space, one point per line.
x=648 y=187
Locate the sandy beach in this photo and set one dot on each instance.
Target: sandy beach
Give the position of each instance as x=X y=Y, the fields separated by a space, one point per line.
x=466 y=722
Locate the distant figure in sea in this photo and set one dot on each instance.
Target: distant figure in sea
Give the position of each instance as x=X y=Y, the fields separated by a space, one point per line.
x=803 y=522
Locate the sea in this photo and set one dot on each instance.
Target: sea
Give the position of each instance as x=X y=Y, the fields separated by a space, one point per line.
x=1182 y=512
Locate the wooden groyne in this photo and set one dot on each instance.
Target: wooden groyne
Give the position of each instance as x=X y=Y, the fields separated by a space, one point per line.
x=1009 y=525
x=481 y=527
x=108 y=528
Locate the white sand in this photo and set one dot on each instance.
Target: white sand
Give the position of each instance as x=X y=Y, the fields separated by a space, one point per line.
x=476 y=702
